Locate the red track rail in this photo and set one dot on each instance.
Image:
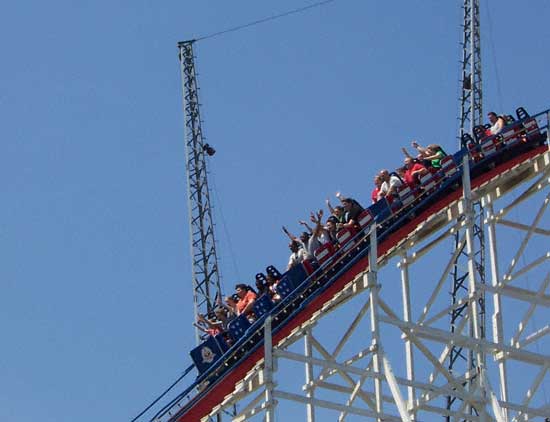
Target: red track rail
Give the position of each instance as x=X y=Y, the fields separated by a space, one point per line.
x=227 y=383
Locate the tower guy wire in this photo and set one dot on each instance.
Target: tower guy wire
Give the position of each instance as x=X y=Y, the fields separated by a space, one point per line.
x=264 y=20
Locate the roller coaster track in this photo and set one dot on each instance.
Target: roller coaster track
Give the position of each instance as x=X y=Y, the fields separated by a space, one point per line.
x=241 y=375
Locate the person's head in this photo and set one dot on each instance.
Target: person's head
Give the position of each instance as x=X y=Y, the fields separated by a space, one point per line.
x=294 y=246
x=433 y=148
x=259 y=284
x=347 y=203
x=492 y=117
x=338 y=210
x=378 y=181
x=304 y=237
x=220 y=313
x=408 y=162
x=401 y=172
x=230 y=301
x=384 y=175
x=241 y=290
x=270 y=279
x=331 y=224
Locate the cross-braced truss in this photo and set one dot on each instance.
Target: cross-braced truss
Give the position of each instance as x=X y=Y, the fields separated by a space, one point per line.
x=378 y=348
x=206 y=276
x=471 y=114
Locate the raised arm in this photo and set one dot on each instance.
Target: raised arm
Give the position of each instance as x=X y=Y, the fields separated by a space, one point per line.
x=303 y=223
x=329 y=206
x=316 y=219
x=201 y=328
x=406 y=152
x=209 y=323
x=433 y=156
x=421 y=150
x=290 y=235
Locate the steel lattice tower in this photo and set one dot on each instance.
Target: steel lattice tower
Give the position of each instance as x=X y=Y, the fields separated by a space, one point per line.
x=206 y=277
x=471 y=114
x=471 y=110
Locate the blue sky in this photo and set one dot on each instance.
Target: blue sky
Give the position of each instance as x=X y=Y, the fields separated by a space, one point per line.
x=96 y=303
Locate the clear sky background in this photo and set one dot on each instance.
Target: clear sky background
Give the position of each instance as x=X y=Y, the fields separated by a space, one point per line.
x=95 y=289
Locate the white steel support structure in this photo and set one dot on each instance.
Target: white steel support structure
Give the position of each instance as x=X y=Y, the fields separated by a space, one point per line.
x=376 y=345
x=470 y=247
x=373 y=353
x=498 y=328
x=308 y=352
x=269 y=367
x=407 y=317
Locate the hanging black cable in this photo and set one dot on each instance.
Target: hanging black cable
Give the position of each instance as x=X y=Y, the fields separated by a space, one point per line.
x=164 y=393
x=270 y=18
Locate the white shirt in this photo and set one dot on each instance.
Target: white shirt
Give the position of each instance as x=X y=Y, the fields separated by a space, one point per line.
x=324 y=237
x=497 y=127
x=394 y=182
x=296 y=258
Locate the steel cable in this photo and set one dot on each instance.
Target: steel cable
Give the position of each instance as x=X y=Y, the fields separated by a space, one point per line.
x=164 y=393
x=264 y=20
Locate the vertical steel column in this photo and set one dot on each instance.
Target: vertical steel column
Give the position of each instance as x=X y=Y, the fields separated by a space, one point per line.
x=268 y=372
x=205 y=278
x=310 y=409
x=374 y=287
x=407 y=317
x=474 y=312
x=498 y=329
x=471 y=114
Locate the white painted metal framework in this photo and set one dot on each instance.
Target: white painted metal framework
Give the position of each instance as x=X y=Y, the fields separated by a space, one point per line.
x=377 y=350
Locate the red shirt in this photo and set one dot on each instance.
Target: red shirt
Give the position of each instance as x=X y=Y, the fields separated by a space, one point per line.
x=213 y=331
x=374 y=195
x=248 y=297
x=409 y=178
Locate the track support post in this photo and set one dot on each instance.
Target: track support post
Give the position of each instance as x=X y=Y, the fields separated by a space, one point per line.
x=474 y=314
x=310 y=408
x=498 y=328
x=376 y=346
x=407 y=317
x=268 y=372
